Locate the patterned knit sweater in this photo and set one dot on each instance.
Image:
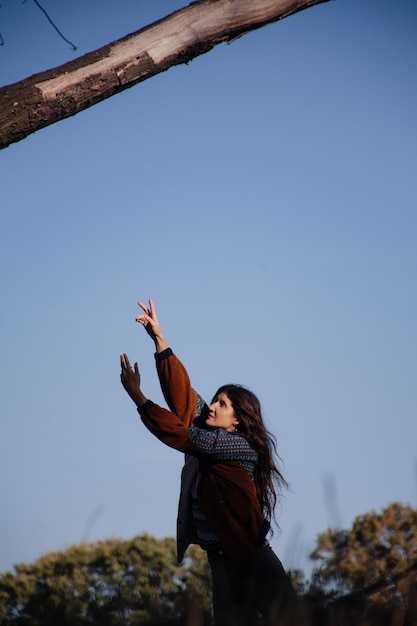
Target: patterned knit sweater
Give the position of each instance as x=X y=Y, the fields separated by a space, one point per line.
x=225 y=488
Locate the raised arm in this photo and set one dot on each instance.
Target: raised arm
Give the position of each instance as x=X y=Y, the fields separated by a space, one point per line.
x=181 y=398
x=149 y=321
x=165 y=425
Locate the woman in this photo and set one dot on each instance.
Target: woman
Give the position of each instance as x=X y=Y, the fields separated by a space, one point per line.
x=229 y=484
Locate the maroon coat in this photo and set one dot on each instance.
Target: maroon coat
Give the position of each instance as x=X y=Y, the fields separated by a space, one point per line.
x=225 y=490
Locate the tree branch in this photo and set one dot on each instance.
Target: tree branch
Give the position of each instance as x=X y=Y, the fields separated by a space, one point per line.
x=56 y=94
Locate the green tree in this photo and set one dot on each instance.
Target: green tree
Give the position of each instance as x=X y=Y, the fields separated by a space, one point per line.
x=106 y=583
x=376 y=558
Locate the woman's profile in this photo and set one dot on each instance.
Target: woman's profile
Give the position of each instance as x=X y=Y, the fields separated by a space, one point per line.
x=229 y=484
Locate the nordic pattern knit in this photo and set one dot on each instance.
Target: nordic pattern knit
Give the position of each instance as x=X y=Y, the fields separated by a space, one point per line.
x=222 y=445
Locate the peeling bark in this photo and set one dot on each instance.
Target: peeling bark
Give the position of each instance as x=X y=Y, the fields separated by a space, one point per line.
x=56 y=94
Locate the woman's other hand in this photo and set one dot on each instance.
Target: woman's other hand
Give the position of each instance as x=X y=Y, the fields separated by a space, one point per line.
x=131 y=380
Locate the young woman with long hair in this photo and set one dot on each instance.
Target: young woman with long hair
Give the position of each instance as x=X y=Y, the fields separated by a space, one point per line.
x=229 y=484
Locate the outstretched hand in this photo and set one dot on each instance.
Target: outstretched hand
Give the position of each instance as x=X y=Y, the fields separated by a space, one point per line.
x=130 y=379
x=150 y=322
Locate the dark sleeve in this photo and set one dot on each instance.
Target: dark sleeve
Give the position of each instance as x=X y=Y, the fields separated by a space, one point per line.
x=181 y=398
x=167 y=427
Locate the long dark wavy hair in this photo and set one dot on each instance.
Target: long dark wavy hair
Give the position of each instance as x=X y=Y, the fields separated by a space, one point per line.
x=268 y=479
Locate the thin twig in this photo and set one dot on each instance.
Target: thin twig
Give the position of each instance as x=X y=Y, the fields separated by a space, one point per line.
x=54 y=25
x=1 y=36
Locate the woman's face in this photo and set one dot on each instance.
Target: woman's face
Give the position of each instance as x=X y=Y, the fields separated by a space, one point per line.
x=221 y=414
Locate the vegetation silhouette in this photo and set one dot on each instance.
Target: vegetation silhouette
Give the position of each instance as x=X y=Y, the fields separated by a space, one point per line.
x=366 y=576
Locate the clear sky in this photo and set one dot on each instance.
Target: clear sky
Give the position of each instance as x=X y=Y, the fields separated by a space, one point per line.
x=265 y=197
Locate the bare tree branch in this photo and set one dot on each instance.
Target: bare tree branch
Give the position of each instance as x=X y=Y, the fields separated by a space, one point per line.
x=56 y=94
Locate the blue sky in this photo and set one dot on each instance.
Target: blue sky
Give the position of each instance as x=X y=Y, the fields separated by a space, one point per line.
x=265 y=197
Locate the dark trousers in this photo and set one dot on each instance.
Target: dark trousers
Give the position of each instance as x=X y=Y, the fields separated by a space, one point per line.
x=242 y=591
